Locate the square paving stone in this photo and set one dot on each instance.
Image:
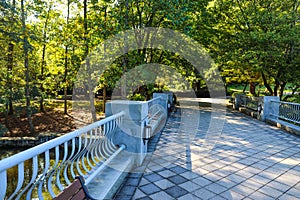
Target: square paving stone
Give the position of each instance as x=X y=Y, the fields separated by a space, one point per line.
x=260 y=179
x=190 y=175
x=122 y=197
x=177 y=179
x=188 y=197
x=144 y=198
x=226 y=183
x=127 y=190
x=243 y=190
x=152 y=177
x=202 y=181
x=236 y=178
x=178 y=169
x=161 y=195
x=232 y=195
x=132 y=181
x=216 y=188
x=278 y=186
x=138 y=194
x=294 y=192
x=143 y=182
x=149 y=189
x=204 y=194
x=190 y=186
x=271 y=191
x=176 y=191
x=287 y=196
x=166 y=173
x=164 y=184
x=259 y=195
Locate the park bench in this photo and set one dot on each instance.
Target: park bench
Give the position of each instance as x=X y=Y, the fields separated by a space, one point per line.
x=76 y=191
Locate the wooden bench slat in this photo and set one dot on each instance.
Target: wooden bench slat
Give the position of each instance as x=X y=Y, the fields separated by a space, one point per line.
x=76 y=191
x=79 y=196
x=70 y=191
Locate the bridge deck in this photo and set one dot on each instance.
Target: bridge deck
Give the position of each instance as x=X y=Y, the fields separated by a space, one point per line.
x=249 y=160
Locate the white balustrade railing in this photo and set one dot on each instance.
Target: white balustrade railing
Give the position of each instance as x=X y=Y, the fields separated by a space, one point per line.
x=44 y=170
x=249 y=102
x=157 y=116
x=287 y=111
x=152 y=106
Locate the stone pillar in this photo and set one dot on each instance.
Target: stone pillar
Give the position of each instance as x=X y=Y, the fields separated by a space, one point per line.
x=163 y=100
x=268 y=109
x=237 y=101
x=131 y=131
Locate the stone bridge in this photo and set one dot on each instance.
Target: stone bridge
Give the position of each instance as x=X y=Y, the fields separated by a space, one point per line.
x=205 y=151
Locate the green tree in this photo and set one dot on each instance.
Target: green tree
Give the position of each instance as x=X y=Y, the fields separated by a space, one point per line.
x=26 y=65
x=259 y=37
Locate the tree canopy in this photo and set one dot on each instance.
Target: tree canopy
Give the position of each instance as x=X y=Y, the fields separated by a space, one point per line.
x=44 y=43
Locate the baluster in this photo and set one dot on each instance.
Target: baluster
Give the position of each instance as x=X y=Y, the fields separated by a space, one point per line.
x=34 y=175
x=104 y=129
x=71 y=157
x=62 y=164
x=80 y=152
x=41 y=181
x=106 y=149
x=81 y=155
x=49 y=183
x=294 y=113
x=67 y=162
x=33 y=178
x=297 y=109
x=3 y=178
x=64 y=161
x=98 y=132
x=93 y=149
x=84 y=152
x=101 y=150
x=89 y=149
x=20 y=180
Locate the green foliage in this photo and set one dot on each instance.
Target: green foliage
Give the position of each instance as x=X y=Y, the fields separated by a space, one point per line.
x=258 y=41
x=136 y=97
x=251 y=42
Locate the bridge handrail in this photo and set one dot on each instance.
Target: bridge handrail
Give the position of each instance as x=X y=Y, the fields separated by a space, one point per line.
x=288 y=111
x=89 y=140
x=250 y=102
x=29 y=153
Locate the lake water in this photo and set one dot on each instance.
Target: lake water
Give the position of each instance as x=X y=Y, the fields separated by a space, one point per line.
x=12 y=173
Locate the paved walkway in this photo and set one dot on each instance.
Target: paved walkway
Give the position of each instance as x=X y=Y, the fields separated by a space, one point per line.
x=249 y=160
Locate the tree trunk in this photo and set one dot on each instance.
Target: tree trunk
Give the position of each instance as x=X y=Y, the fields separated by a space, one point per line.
x=282 y=87
x=104 y=97
x=42 y=109
x=252 y=89
x=245 y=87
x=10 y=64
x=66 y=68
x=88 y=66
x=9 y=78
x=26 y=65
x=266 y=84
x=125 y=58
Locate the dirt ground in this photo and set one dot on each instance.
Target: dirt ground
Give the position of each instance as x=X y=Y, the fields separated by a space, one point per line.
x=52 y=121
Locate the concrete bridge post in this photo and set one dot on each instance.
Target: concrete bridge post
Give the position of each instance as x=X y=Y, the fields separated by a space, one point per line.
x=132 y=131
x=268 y=109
